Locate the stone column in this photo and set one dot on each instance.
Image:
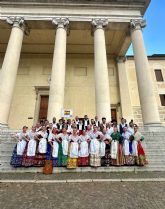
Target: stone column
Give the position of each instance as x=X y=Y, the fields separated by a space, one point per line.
x=125 y=98
x=102 y=92
x=57 y=84
x=10 y=66
x=148 y=102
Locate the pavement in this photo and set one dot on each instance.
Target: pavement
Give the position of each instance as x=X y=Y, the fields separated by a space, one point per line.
x=56 y=192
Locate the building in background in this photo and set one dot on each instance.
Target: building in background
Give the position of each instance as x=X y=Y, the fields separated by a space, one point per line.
x=70 y=54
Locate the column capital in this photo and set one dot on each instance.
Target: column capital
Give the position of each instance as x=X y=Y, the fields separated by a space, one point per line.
x=99 y=23
x=121 y=59
x=61 y=22
x=18 y=22
x=137 y=24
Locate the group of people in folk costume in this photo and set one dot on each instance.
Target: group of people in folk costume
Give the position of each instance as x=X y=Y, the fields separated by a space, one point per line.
x=80 y=142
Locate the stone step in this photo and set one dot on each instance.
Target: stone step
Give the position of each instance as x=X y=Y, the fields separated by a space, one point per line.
x=154 y=147
x=86 y=169
x=7 y=146
x=162 y=152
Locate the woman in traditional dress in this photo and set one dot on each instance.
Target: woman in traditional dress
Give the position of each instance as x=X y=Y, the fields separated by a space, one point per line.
x=131 y=128
x=73 y=149
x=95 y=159
x=138 y=150
x=127 y=147
x=30 y=151
x=117 y=155
x=42 y=147
x=17 y=156
x=63 y=139
x=54 y=142
x=106 y=158
x=89 y=131
x=83 y=159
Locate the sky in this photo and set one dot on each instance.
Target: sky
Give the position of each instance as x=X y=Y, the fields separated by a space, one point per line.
x=154 y=32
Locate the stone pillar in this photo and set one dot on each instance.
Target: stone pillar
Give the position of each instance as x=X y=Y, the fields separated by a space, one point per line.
x=10 y=66
x=125 y=98
x=57 y=83
x=102 y=92
x=148 y=102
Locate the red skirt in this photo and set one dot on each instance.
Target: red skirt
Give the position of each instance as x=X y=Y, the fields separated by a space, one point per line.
x=141 y=155
x=83 y=161
x=28 y=161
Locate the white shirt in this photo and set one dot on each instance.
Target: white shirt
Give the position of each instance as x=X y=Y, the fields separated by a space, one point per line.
x=80 y=126
x=97 y=123
x=69 y=129
x=126 y=135
x=110 y=131
x=54 y=125
x=130 y=130
x=85 y=122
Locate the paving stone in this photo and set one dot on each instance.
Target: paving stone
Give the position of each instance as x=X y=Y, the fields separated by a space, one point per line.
x=94 y=195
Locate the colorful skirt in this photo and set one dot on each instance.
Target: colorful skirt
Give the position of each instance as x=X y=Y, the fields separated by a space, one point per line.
x=106 y=160
x=39 y=160
x=50 y=157
x=129 y=159
x=28 y=161
x=141 y=155
x=16 y=160
x=62 y=159
x=72 y=162
x=83 y=161
x=120 y=157
x=95 y=160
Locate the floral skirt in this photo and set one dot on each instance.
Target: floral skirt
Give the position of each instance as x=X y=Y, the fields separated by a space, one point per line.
x=16 y=160
x=141 y=160
x=28 y=161
x=129 y=160
x=83 y=161
x=71 y=162
x=39 y=160
x=95 y=160
x=106 y=160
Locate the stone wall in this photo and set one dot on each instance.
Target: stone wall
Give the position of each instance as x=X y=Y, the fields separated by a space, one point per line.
x=137 y=113
x=162 y=114
x=35 y=70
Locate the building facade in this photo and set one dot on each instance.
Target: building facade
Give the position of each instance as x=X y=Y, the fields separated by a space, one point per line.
x=71 y=54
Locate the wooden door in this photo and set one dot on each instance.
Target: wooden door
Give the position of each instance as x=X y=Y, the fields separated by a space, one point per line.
x=43 y=107
x=113 y=114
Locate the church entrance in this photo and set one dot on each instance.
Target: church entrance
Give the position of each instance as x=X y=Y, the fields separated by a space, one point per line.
x=43 y=107
x=114 y=114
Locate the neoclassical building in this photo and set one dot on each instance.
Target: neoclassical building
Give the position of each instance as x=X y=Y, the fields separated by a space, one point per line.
x=69 y=54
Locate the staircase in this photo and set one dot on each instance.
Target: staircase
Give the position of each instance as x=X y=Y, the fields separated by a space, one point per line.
x=154 y=147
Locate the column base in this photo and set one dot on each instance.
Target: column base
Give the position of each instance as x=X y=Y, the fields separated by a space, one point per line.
x=153 y=127
x=4 y=126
